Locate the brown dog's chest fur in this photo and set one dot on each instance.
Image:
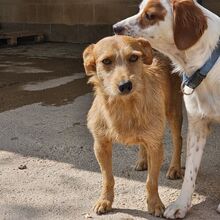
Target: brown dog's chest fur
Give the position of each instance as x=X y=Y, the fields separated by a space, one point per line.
x=125 y=119
x=139 y=117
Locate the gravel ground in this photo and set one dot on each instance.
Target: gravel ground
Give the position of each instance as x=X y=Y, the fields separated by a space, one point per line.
x=47 y=166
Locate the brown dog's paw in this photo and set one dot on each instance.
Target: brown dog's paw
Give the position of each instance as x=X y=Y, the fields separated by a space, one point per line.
x=102 y=207
x=174 y=173
x=141 y=165
x=156 y=207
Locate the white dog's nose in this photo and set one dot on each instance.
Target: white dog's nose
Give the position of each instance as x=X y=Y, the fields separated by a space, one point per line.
x=118 y=29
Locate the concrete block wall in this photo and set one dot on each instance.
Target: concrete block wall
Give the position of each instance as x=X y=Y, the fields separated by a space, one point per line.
x=71 y=20
x=66 y=20
x=213 y=5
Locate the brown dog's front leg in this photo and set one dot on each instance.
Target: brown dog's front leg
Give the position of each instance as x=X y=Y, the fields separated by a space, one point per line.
x=155 y=158
x=103 y=152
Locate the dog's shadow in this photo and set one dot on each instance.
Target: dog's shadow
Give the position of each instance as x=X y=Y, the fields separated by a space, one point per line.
x=197 y=212
x=133 y=212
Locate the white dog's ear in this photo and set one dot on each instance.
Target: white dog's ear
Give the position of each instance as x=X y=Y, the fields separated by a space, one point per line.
x=89 y=60
x=147 y=51
x=189 y=23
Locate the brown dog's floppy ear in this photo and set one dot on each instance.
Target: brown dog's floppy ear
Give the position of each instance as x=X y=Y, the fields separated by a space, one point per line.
x=189 y=23
x=89 y=60
x=147 y=51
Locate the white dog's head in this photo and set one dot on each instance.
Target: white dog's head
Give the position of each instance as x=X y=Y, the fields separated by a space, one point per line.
x=180 y=23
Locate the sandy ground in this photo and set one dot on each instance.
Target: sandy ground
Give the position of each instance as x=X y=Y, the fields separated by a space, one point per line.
x=44 y=100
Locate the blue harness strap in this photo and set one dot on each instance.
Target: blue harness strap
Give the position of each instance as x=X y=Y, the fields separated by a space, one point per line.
x=196 y=79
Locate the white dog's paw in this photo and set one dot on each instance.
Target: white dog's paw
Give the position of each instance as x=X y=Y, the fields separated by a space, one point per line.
x=176 y=210
x=218 y=209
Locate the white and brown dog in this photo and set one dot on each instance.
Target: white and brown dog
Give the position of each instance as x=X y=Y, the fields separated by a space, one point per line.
x=189 y=34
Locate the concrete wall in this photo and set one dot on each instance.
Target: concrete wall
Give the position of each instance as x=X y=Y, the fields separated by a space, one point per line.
x=67 y=12
x=71 y=20
x=213 y=5
x=66 y=20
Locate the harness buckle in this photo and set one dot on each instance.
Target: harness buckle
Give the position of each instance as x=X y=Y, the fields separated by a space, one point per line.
x=189 y=84
x=186 y=90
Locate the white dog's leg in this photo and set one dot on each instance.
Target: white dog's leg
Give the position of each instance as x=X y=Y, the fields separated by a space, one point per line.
x=218 y=209
x=197 y=133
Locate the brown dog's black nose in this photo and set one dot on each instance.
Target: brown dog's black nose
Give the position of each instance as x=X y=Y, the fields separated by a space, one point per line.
x=118 y=29
x=125 y=87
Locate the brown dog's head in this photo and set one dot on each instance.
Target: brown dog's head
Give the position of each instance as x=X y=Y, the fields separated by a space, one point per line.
x=115 y=64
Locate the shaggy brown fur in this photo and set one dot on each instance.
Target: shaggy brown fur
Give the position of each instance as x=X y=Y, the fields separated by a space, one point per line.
x=137 y=117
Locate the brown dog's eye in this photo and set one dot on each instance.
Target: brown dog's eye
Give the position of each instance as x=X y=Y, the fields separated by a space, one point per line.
x=107 y=61
x=133 y=58
x=150 y=16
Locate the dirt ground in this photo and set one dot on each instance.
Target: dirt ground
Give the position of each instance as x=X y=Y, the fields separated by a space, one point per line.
x=47 y=166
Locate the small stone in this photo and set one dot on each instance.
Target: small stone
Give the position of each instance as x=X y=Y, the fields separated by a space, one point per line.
x=22 y=167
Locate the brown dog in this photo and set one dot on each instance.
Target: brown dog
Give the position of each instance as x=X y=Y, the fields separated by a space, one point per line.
x=134 y=94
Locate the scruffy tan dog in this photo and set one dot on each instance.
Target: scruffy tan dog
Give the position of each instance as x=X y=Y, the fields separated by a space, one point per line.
x=134 y=94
